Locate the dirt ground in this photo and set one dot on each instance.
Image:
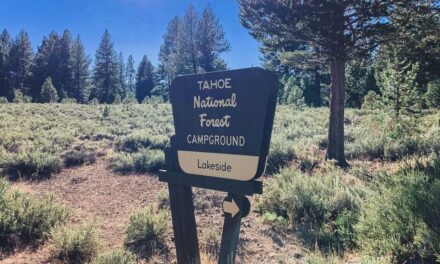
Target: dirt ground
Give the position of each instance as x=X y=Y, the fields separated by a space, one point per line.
x=95 y=193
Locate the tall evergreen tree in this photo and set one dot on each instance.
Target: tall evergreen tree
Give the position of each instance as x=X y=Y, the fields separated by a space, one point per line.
x=20 y=62
x=144 y=79
x=130 y=75
x=187 y=45
x=5 y=46
x=46 y=63
x=122 y=80
x=79 y=64
x=63 y=76
x=334 y=31
x=210 y=42
x=169 y=64
x=106 y=71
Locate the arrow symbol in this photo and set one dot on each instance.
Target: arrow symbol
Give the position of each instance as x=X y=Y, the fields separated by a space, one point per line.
x=230 y=207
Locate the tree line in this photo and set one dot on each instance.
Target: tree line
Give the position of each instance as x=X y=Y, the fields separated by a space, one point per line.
x=61 y=70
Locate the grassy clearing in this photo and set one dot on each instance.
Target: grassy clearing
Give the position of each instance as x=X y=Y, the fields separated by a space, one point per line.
x=37 y=140
x=393 y=173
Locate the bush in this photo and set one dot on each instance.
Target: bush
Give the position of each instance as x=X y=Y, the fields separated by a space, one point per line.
x=163 y=199
x=74 y=245
x=94 y=101
x=18 y=96
x=210 y=242
x=140 y=140
x=25 y=219
x=79 y=155
x=372 y=101
x=322 y=207
x=3 y=100
x=400 y=215
x=146 y=229
x=68 y=100
x=272 y=219
x=33 y=164
x=117 y=256
x=144 y=161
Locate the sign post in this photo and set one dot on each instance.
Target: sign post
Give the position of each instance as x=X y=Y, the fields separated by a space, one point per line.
x=223 y=124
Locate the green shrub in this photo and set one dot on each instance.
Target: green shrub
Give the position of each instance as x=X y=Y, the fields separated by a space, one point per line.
x=137 y=141
x=210 y=241
x=3 y=100
x=322 y=207
x=34 y=164
x=400 y=215
x=18 y=96
x=116 y=256
x=163 y=199
x=94 y=101
x=272 y=218
x=25 y=219
x=144 y=161
x=79 y=155
x=146 y=229
x=68 y=100
x=74 y=245
x=372 y=101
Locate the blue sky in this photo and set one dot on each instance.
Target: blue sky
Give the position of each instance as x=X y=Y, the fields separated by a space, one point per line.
x=136 y=26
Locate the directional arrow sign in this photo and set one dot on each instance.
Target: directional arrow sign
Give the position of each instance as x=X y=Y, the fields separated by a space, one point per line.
x=230 y=207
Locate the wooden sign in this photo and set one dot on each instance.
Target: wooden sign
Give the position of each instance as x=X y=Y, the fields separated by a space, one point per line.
x=223 y=122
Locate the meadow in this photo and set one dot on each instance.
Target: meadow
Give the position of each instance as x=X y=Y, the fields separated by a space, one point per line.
x=383 y=208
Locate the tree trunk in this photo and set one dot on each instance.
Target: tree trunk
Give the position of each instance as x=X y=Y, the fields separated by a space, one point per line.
x=335 y=148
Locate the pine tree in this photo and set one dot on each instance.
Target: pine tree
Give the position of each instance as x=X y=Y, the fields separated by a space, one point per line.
x=63 y=76
x=20 y=61
x=5 y=45
x=144 y=79
x=415 y=31
x=106 y=71
x=398 y=84
x=169 y=64
x=187 y=46
x=122 y=80
x=210 y=42
x=48 y=92
x=46 y=63
x=130 y=75
x=326 y=31
x=79 y=64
